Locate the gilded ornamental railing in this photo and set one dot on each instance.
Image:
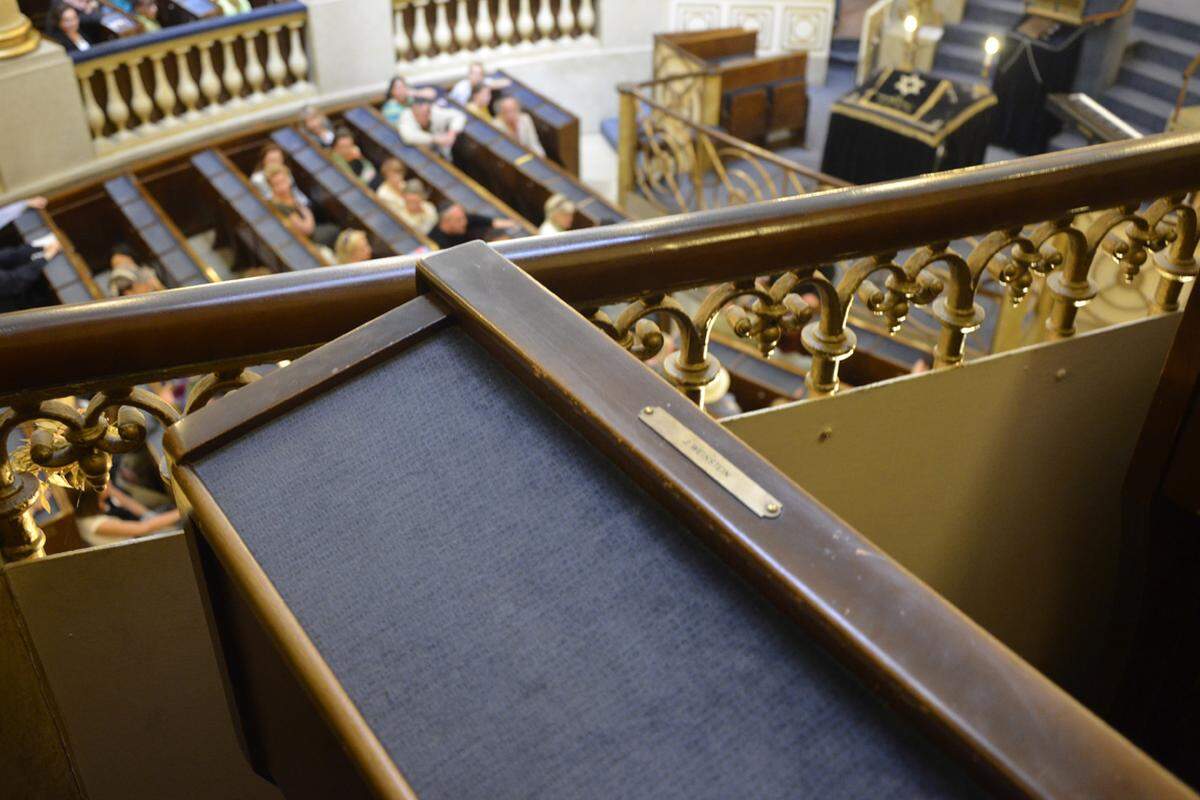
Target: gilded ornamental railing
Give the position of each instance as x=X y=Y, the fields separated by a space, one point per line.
x=434 y=31
x=189 y=75
x=675 y=163
x=1181 y=100
x=1047 y=218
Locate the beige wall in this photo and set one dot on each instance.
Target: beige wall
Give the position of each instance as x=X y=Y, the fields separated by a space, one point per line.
x=129 y=665
x=997 y=483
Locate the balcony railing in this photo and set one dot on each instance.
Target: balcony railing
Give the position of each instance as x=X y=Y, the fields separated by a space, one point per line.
x=156 y=85
x=1048 y=217
x=434 y=31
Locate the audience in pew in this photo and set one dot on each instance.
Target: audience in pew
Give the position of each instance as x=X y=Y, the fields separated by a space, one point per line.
x=401 y=96
x=455 y=226
x=87 y=15
x=318 y=125
x=352 y=246
x=113 y=516
x=424 y=124
x=349 y=157
x=414 y=209
x=64 y=27
x=127 y=277
x=146 y=13
x=296 y=215
x=20 y=271
x=391 y=186
x=517 y=124
x=560 y=215
x=476 y=77
x=272 y=155
x=480 y=103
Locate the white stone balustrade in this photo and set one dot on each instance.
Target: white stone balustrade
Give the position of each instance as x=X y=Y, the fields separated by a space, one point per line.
x=435 y=32
x=169 y=83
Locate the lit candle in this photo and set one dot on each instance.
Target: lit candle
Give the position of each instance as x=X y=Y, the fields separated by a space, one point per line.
x=990 y=48
x=910 y=27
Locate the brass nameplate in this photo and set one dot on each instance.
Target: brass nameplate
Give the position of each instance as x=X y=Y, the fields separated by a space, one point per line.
x=715 y=465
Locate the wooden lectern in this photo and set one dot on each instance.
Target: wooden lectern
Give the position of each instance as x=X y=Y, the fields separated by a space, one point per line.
x=474 y=549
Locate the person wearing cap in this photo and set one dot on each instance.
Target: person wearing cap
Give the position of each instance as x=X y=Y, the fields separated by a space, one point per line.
x=560 y=215
x=127 y=277
x=424 y=124
x=414 y=208
x=518 y=124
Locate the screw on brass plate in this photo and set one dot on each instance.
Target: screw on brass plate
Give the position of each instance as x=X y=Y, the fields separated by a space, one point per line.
x=1061 y=375
x=648 y=410
x=825 y=434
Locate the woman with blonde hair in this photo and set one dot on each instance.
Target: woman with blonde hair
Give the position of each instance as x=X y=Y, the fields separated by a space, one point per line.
x=352 y=246
x=391 y=188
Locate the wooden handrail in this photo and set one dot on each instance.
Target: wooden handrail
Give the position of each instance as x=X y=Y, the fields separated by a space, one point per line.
x=54 y=351
x=732 y=141
x=1183 y=89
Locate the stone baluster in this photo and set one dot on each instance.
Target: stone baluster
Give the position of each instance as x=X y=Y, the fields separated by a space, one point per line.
x=587 y=19
x=525 y=25
x=483 y=24
x=545 y=20
x=566 y=18
x=297 y=58
x=400 y=39
x=464 y=35
x=504 y=26
x=210 y=84
x=95 y=114
x=189 y=93
x=114 y=107
x=422 y=40
x=139 y=98
x=276 y=68
x=164 y=95
x=231 y=76
x=256 y=77
x=443 y=37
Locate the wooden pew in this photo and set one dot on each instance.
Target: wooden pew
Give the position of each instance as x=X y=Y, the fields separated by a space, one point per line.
x=760 y=96
x=116 y=23
x=525 y=179
x=147 y=223
x=446 y=182
x=178 y=12
x=557 y=128
x=69 y=278
x=251 y=220
x=347 y=200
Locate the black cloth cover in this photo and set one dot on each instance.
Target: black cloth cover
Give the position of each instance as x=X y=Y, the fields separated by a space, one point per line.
x=514 y=618
x=900 y=124
x=1036 y=61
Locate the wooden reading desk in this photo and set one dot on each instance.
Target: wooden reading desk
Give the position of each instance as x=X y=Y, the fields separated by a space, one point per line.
x=474 y=549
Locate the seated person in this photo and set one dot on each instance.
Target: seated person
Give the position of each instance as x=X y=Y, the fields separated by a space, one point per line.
x=347 y=156
x=415 y=210
x=232 y=7
x=391 y=184
x=425 y=125
x=517 y=124
x=20 y=270
x=146 y=13
x=401 y=96
x=63 y=27
x=476 y=77
x=560 y=215
x=127 y=277
x=455 y=226
x=352 y=246
x=480 y=103
x=113 y=516
x=296 y=215
x=272 y=155
x=318 y=125
x=88 y=14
